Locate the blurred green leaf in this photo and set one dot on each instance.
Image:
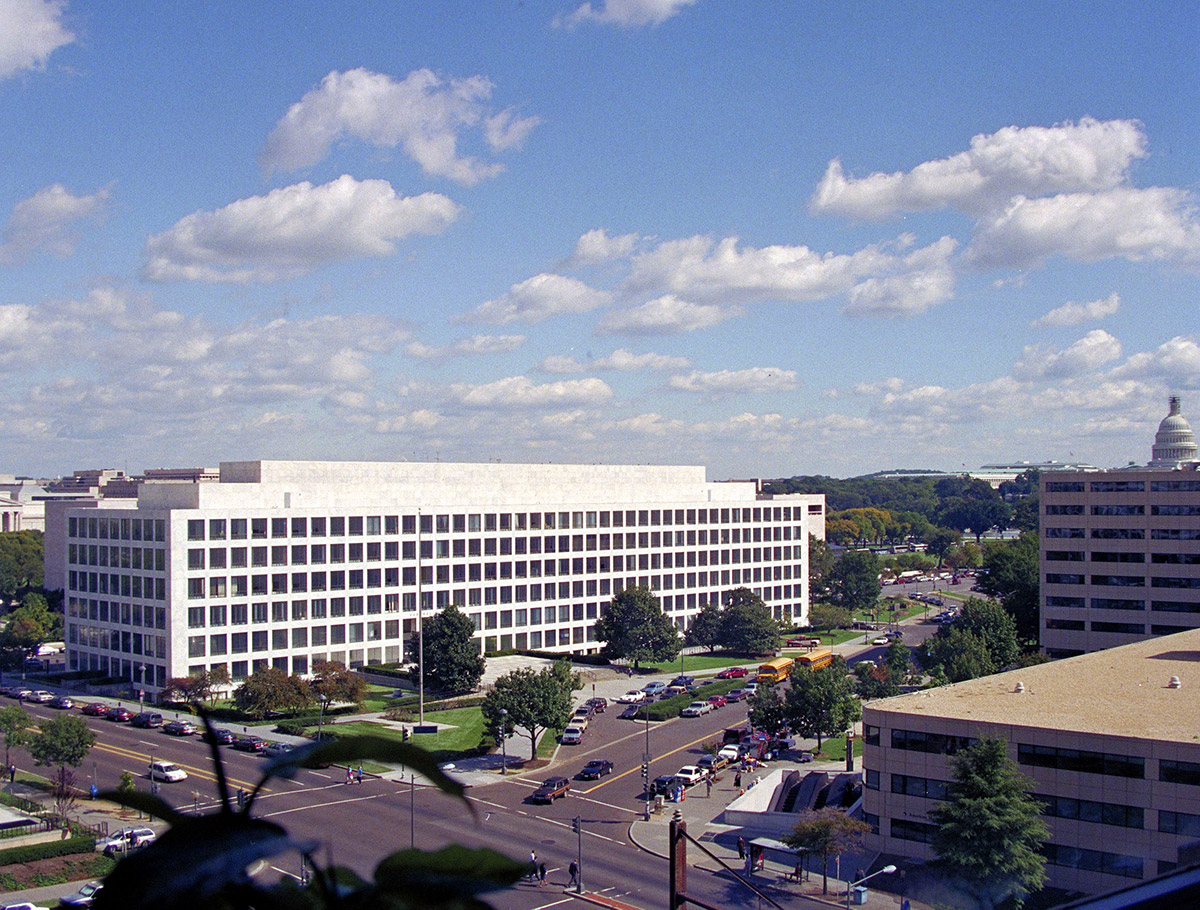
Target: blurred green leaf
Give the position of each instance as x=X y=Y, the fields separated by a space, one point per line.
x=154 y=806
x=452 y=870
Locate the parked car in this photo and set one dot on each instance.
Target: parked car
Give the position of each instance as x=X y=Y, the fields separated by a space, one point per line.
x=734 y=695
x=20 y=693
x=118 y=715
x=582 y=713
x=662 y=784
x=803 y=642
x=596 y=769
x=881 y=640
x=712 y=763
x=804 y=757
x=732 y=673
x=95 y=709
x=654 y=688
x=249 y=744
x=40 y=696
x=572 y=735
x=689 y=775
x=147 y=719
x=730 y=753
x=168 y=771
x=633 y=697
x=62 y=702
x=750 y=688
x=181 y=728
x=630 y=712
x=129 y=839
x=598 y=704
x=718 y=701
x=684 y=681
x=24 y=905
x=277 y=749
x=83 y=897
x=696 y=709
x=552 y=788
x=220 y=735
x=672 y=691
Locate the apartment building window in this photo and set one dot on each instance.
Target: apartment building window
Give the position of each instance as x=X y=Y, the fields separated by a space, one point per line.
x=279 y=527
x=1110 y=764
x=258 y=528
x=1111 y=509
x=1120 y=628
x=1120 y=581
x=1176 y=510
x=1118 y=486
x=936 y=743
x=1063 y=533
x=317 y=527
x=1193 y=583
x=1175 y=486
x=1179 y=772
x=195 y=529
x=1118 y=534
x=1064 y=509
x=1074 y=603
x=1114 y=603
x=1175 y=534
x=1175 y=606
x=195 y=617
x=1066 y=625
x=920 y=832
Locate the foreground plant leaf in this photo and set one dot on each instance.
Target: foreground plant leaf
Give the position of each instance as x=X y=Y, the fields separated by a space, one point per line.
x=453 y=870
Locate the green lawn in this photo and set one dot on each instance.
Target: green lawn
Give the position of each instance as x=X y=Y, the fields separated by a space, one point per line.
x=694 y=664
x=835 y=749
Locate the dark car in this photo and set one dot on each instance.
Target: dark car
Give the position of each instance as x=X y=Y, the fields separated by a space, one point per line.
x=220 y=736
x=736 y=695
x=684 y=681
x=663 y=784
x=118 y=715
x=180 y=728
x=598 y=704
x=732 y=673
x=83 y=897
x=62 y=702
x=551 y=789
x=147 y=719
x=596 y=769
x=95 y=709
x=630 y=712
x=249 y=744
x=711 y=764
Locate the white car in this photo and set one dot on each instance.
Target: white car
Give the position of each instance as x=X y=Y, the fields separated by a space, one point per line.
x=695 y=709
x=689 y=775
x=168 y=771
x=750 y=688
x=881 y=640
x=129 y=839
x=633 y=697
x=730 y=753
x=23 y=906
x=41 y=696
x=572 y=736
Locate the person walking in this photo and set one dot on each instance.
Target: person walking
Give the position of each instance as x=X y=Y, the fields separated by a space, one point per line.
x=741 y=845
x=708 y=786
x=533 y=866
x=358 y=775
x=349 y=774
x=541 y=873
x=573 y=869
x=737 y=779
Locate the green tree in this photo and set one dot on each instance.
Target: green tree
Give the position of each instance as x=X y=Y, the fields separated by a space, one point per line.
x=635 y=628
x=22 y=557
x=705 y=628
x=62 y=742
x=15 y=724
x=29 y=625
x=973 y=504
x=820 y=566
x=768 y=711
x=829 y=616
x=1011 y=576
x=333 y=681
x=269 y=690
x=827 y=833
x=191 y=689
x=535 y=702
x=990 y=830
x=855 y=580
x=1026 y=514
x=821 y=702
x=992 y=623
x=956 y=655
x=875 y=681
x=452 y=659
x=747 y=624
x=940 y=541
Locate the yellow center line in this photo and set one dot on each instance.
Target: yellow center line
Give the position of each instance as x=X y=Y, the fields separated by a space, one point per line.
x=202 y=773
x=613 y=778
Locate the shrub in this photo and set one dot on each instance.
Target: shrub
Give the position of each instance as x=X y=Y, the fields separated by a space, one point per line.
x=78 y=843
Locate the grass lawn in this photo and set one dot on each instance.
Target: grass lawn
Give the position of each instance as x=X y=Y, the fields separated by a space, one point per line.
x=699 y=663
x=835 y=749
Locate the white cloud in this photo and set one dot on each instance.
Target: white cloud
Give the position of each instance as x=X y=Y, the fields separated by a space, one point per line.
x=1072 y=313
x=1087 y=156
x=624 y=13
x=892 y=384
x=653 y=425
x=621 y=360
x=44 y=221
x=537 y=299
x=423 y=114
x=1176 y=362
x=293 y=230
x=725 y=382
x=1090 y=352
x=30 y=31
x=598 y=246
x=520 y=392
x=466 y=347
x=1157 y=224
x=925 y=280
x=666 y=315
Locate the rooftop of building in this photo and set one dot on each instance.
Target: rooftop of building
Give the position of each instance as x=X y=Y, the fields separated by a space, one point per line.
x=1120 y=691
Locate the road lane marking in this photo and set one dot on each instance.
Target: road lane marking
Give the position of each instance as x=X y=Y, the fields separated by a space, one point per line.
x=202 y=773
x=613 y=778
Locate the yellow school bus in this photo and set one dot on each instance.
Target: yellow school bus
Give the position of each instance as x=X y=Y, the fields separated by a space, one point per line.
x=816 y=660
x=776 y=670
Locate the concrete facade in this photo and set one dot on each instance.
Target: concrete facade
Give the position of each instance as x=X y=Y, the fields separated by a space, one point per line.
x=289 y=563
x=1107 y=741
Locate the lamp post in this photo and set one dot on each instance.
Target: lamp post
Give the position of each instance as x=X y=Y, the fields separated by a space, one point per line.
x=321 y=714
x=886 y=870
x=503 y=741
x=420 y=633
x=412 y=810
x=646 y=761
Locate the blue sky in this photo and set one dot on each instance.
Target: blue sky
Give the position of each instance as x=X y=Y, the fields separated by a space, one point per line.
x=773 y=239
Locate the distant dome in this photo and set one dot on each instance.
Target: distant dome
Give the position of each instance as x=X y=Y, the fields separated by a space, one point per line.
x=1174 y=442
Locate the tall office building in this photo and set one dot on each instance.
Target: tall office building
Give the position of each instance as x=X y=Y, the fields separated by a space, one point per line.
x=285 y=564
x=1120 y=550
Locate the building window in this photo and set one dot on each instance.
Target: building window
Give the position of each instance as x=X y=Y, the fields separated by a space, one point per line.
x=1082 y=761
x=924 y=787
x=1086 y=810
x=1179 y=823
x=920 y=832
x=1179 y=772
x=1093 y=860
x=1118 y=486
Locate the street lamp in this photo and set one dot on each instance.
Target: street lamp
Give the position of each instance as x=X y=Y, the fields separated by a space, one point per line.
x=886 y=870
x=321 y=714
x=503 y=741
x=646 y=762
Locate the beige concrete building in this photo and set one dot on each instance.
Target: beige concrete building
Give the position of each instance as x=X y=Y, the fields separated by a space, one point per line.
x=1108 y=741
x=286 y=564
x=1120 y=550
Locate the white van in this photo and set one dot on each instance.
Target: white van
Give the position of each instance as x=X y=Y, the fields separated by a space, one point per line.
x=168 y=771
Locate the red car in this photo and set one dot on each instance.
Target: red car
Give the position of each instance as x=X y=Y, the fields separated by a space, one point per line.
x=95 y=709
x=119 y=715
x=732 y=673
x=718 y=701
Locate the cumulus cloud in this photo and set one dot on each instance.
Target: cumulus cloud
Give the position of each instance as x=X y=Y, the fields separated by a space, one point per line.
x=1093 y=350
x=925 y=279
x=666 y=315
x=621 y=360
x=725 y=382
x=1072 y=313
x=423 y=114
x=1087 y=156
x=520 y=392
x=1156 y=224
x=1177 y=362
x=30 y=31
x=293 y=230
x=537 y=299
x=45 y=220
x=599 y=246
x=466 y=347
x=624 y=13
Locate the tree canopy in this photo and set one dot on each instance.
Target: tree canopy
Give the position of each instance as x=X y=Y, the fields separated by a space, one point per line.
x=768 y=711
x=747 y=624
x=1011 y=575
x=855 y=580
x=452 y=659
x=704 y=631
x=22 y=556
x=989 y=831
x=827 y=832
x=269 y=690
x=336 y=683
x=982 y=641
x=635 y=628
x=63 y=740
x=820 y=566
x=15 y=727
x=535 y=702
x=29 y=625
x=821 y=703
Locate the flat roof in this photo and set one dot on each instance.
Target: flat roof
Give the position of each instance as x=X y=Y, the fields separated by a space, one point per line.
x=1119 y=691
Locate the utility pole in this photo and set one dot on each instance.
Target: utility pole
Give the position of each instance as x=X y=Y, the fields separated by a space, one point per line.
x=677 y=871
x=578 y=825
x=420 y=635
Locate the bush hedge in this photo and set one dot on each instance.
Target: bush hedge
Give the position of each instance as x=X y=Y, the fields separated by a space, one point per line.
x=77 y=843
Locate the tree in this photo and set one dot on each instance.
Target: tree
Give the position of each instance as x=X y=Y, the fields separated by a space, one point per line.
x=452 y=659
x=29 y=625
x=855 y=580
x=940 y=541
x=992 y=623
x=1026 y=514
x=635 y=628
x=970 y=504
x=829 y=616
x=15 y=726
x=22 y=556
x=821 y=702
x=1011 y=575
x=536 y=702
x=705 y=628
x=989 y=831
x=270 y=690
x=828 y=833
x=64 y=742
x=747 y=624
x=768 y=711
x=336 y=683
x=956 y=655
x=820 y=566
x=191 y=689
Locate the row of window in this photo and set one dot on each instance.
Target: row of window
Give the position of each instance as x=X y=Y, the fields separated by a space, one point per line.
x=1120 y=864
x=1122 y=581
x=126 y=614
x=1114 y=603
x=98 y=528
x=217 y=616
x=1082 y=761
x=1122 y=533
x=260 y=641
x=1124 y=486
x=1162 y=559
x=145 y=558
x=143 y=587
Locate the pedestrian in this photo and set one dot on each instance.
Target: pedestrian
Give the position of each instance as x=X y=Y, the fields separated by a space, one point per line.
x=533 y=866
x=12 y=772
x=741 y=845
x=904 y=904
x=573 y=869
x=93 y=792
x=541 y=873
x=358 y=774
x=349 y=774
x=708 y=786
x=737 y=779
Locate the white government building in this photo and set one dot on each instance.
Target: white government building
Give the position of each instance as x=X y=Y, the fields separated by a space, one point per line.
x=287 y=563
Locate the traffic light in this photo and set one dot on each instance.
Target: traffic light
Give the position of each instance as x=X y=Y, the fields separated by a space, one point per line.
x=575 y=823
x=646 y=770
